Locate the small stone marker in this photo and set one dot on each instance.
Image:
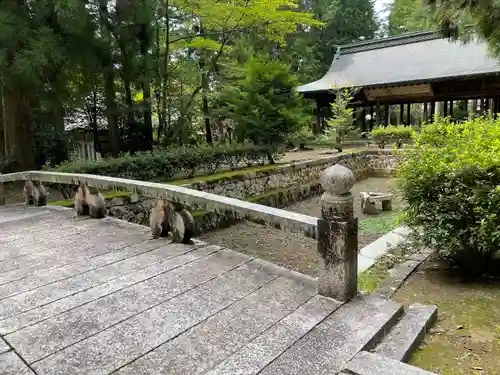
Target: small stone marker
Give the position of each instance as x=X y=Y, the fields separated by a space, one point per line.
x=338 y=235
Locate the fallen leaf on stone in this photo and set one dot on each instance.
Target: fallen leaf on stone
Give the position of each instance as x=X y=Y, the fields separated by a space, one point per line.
x=460 y=327
x=477 y=368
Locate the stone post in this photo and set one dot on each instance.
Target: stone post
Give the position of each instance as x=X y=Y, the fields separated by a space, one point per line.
x=338 y=235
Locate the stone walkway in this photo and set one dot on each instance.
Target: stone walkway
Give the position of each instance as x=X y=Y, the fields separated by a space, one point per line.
x=81 y=296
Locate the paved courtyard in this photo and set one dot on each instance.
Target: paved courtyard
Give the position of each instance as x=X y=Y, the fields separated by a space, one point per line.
x=81 y=296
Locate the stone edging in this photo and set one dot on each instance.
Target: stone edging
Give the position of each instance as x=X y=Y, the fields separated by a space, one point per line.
x=399 y=274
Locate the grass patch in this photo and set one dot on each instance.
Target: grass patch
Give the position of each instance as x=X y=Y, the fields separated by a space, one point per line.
x=225 y=175
x=380 y=224
x=466 y=338
x=370 y=279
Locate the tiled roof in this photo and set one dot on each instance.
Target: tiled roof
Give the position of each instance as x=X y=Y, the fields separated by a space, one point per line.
x=408 y=58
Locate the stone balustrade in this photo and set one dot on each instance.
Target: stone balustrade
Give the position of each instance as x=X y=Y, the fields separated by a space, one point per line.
x=335 y=231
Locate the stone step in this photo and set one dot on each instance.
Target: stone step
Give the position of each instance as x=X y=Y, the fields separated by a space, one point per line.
x=326 y=349
x=365 y=363
x=408 y=333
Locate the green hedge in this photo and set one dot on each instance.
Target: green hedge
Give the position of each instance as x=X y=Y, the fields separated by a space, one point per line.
x=451 y=182
x=163 y=164
x=396 y=134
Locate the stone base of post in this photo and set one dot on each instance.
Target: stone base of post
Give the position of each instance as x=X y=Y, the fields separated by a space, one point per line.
x=338 y=247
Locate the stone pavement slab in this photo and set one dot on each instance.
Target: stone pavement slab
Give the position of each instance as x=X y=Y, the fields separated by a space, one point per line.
x=73 y=269
x=326 y=348
x=11 y=364
x=3 y=346
x=123 y=343
x=42 y=313
x=257 y=354
x=198 y=349
x=39 y=340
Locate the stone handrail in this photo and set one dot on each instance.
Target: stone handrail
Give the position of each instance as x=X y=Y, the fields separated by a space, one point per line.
x=336 y=231
x=285 y=220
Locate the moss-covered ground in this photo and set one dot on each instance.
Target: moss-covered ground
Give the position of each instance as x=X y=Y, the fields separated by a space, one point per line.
x=466 y=338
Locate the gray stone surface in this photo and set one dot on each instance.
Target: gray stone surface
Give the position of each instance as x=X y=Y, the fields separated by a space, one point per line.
x=369 y=254
x=373 y=364
x=73 y=269
x=69 y=251
x=405 y=337
x=11 y=364
x=39 y=340
x=397 y=275
x=3 y=346
x=100 y=297
x=328 y=347
x=44 y=312
x=257 y=354
x=196 y=350
x=121 y=344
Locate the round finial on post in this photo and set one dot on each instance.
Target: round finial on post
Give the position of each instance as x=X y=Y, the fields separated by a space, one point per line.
x=337 y=180
x=337 y=200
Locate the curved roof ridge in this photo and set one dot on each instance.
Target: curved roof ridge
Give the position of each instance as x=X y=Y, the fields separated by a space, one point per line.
x=395 y=40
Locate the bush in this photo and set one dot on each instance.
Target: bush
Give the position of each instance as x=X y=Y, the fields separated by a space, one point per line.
x=451 y=182
x=388 y=134
x=163 y=164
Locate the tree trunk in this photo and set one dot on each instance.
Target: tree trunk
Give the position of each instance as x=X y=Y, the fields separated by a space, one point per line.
x=109 y=80
x=146 y=88
x=20 y=138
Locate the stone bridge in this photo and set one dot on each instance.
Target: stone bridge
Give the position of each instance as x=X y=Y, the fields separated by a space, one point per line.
x=85 y=296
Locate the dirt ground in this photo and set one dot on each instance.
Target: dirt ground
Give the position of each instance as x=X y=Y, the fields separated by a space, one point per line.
x=466 y=338
x=295 y=251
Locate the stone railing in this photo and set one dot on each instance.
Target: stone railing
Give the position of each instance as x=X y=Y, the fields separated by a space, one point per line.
x=335 y=231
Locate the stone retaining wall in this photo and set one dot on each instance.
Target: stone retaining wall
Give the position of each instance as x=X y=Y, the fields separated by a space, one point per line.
x=278 y=188
x=362 y=163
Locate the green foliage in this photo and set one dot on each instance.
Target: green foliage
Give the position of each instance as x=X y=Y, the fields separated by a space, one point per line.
x=405 y=16
x=392 y=133
x=163 y=164
x=451 y=184
x=342 y=121
x=301 y=138
x=265 y=104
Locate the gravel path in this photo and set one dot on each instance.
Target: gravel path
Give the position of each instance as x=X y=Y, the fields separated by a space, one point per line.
x=289 y=250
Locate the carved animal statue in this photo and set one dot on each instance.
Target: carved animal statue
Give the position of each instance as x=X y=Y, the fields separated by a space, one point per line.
x=88 y=203
x=97 y=205
x=81 y=205
x=157 y=219
x=42 y=196
x=34 y=195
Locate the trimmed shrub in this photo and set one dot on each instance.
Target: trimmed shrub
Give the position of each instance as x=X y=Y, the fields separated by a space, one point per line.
x=163 y=164
x=451 y=182
x=391 y=133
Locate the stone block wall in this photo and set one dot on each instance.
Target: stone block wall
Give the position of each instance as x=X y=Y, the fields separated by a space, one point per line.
x=292 y=176
x=279 y=188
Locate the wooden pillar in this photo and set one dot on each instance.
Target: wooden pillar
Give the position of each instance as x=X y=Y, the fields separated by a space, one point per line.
x=401 y=114
x=426 y=114
x=377 y=113
x=408 y=114
x=386 y=114
x=445 y=108
x=486 y=105
x=371 y=117
x=363 y=119
x=433 y=110
x=451 y=108
x=317 y=125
